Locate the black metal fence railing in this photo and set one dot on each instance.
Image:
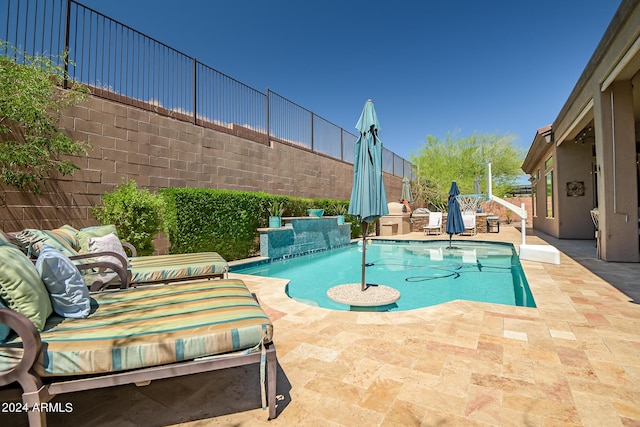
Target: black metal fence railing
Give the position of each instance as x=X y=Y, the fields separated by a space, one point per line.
x=226 y=102
x=327 y=137
x=119 y=63
x=34 y=26
x=348 y=146
x=289 y=122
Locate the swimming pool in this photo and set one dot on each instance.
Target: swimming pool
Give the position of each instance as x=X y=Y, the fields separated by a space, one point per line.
x=425 y=272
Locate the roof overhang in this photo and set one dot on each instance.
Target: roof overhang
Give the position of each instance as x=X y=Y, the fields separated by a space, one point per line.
x=542 y=142
x=625 y=68
x=582 y=119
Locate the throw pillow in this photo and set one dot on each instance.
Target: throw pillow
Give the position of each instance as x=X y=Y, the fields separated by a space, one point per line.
x=108 y=243
x=69 y=235
x=21 y=287
x=62 y=238
x=98 y=231
x=67 y=290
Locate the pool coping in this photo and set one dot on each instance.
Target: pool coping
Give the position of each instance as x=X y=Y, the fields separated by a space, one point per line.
x=256 y=261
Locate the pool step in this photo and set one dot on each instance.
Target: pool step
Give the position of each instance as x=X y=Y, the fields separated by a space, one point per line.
x=540 y=253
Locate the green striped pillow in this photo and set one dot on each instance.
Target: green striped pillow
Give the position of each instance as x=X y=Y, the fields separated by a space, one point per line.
x=63 y=238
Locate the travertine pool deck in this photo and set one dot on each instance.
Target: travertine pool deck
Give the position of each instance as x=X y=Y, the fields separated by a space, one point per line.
x=573 y=360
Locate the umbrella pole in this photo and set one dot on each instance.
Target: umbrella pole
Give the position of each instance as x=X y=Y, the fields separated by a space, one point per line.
x=365 y=226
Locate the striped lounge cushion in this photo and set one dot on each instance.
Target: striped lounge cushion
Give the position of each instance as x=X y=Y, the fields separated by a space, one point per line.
x=156 y=268
x=150 y=326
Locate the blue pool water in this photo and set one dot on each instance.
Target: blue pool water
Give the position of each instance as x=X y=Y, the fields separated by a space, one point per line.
x=426 y=273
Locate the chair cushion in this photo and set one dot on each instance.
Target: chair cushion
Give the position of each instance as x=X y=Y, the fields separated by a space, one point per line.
x=97 y=231
x=67 y=290
x=21 y=287
x=156 y=268
x=152 y=325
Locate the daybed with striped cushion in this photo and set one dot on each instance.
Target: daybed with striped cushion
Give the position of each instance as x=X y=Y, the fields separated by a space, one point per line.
x=137 y=335
x=174 y=267
x=137 y=270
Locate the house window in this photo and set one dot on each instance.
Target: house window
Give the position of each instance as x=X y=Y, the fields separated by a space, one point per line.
x=548 y=163
x=535 y=180
x=534 y=195
x=549 y=185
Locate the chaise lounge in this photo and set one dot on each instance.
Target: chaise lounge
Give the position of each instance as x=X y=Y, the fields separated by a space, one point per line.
x=129 y=336
x=109 y=254
x=435 y=223
x=469 y=221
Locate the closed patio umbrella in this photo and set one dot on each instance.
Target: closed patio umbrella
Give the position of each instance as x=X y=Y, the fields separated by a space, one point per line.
x=476 y=185
x=406 y=190
x=455 y=224
x=368 y=198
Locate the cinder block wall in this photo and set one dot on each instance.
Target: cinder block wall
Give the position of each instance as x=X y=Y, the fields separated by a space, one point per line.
x=158 y=151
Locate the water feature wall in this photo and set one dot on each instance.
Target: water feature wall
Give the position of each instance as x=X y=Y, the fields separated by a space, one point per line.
x=302 y=235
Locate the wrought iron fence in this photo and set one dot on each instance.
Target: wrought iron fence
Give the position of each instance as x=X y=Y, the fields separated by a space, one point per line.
x=289 y=122
x=348 y=146
x=224 y=101
x=117 y=62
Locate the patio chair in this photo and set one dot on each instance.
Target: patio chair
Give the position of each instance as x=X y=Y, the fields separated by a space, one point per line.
x=469 y=221
x=435 y=223
x=596 y=223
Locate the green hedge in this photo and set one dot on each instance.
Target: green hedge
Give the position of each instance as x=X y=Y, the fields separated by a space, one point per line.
x=226 y=221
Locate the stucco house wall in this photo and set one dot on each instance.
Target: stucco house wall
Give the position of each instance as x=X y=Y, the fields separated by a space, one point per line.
x=594 y=141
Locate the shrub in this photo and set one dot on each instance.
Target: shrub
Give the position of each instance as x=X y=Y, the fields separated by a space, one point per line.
x=136 y=213
x=31 y=99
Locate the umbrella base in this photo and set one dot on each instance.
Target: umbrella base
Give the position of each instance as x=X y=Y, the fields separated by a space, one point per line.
x=373 y=296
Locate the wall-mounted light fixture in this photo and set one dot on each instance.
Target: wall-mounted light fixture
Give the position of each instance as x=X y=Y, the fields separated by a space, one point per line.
x=586 y=134
x=548 y=136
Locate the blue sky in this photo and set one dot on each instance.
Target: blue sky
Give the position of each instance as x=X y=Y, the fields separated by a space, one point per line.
x=431 y=67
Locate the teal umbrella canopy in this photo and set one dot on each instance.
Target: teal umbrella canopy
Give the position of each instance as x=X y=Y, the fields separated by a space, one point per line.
x=455 y=223
x=368 y=198
x=368 y=118
x=406 y=190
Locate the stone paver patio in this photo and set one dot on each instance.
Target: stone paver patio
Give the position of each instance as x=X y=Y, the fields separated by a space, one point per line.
x=573 y=360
